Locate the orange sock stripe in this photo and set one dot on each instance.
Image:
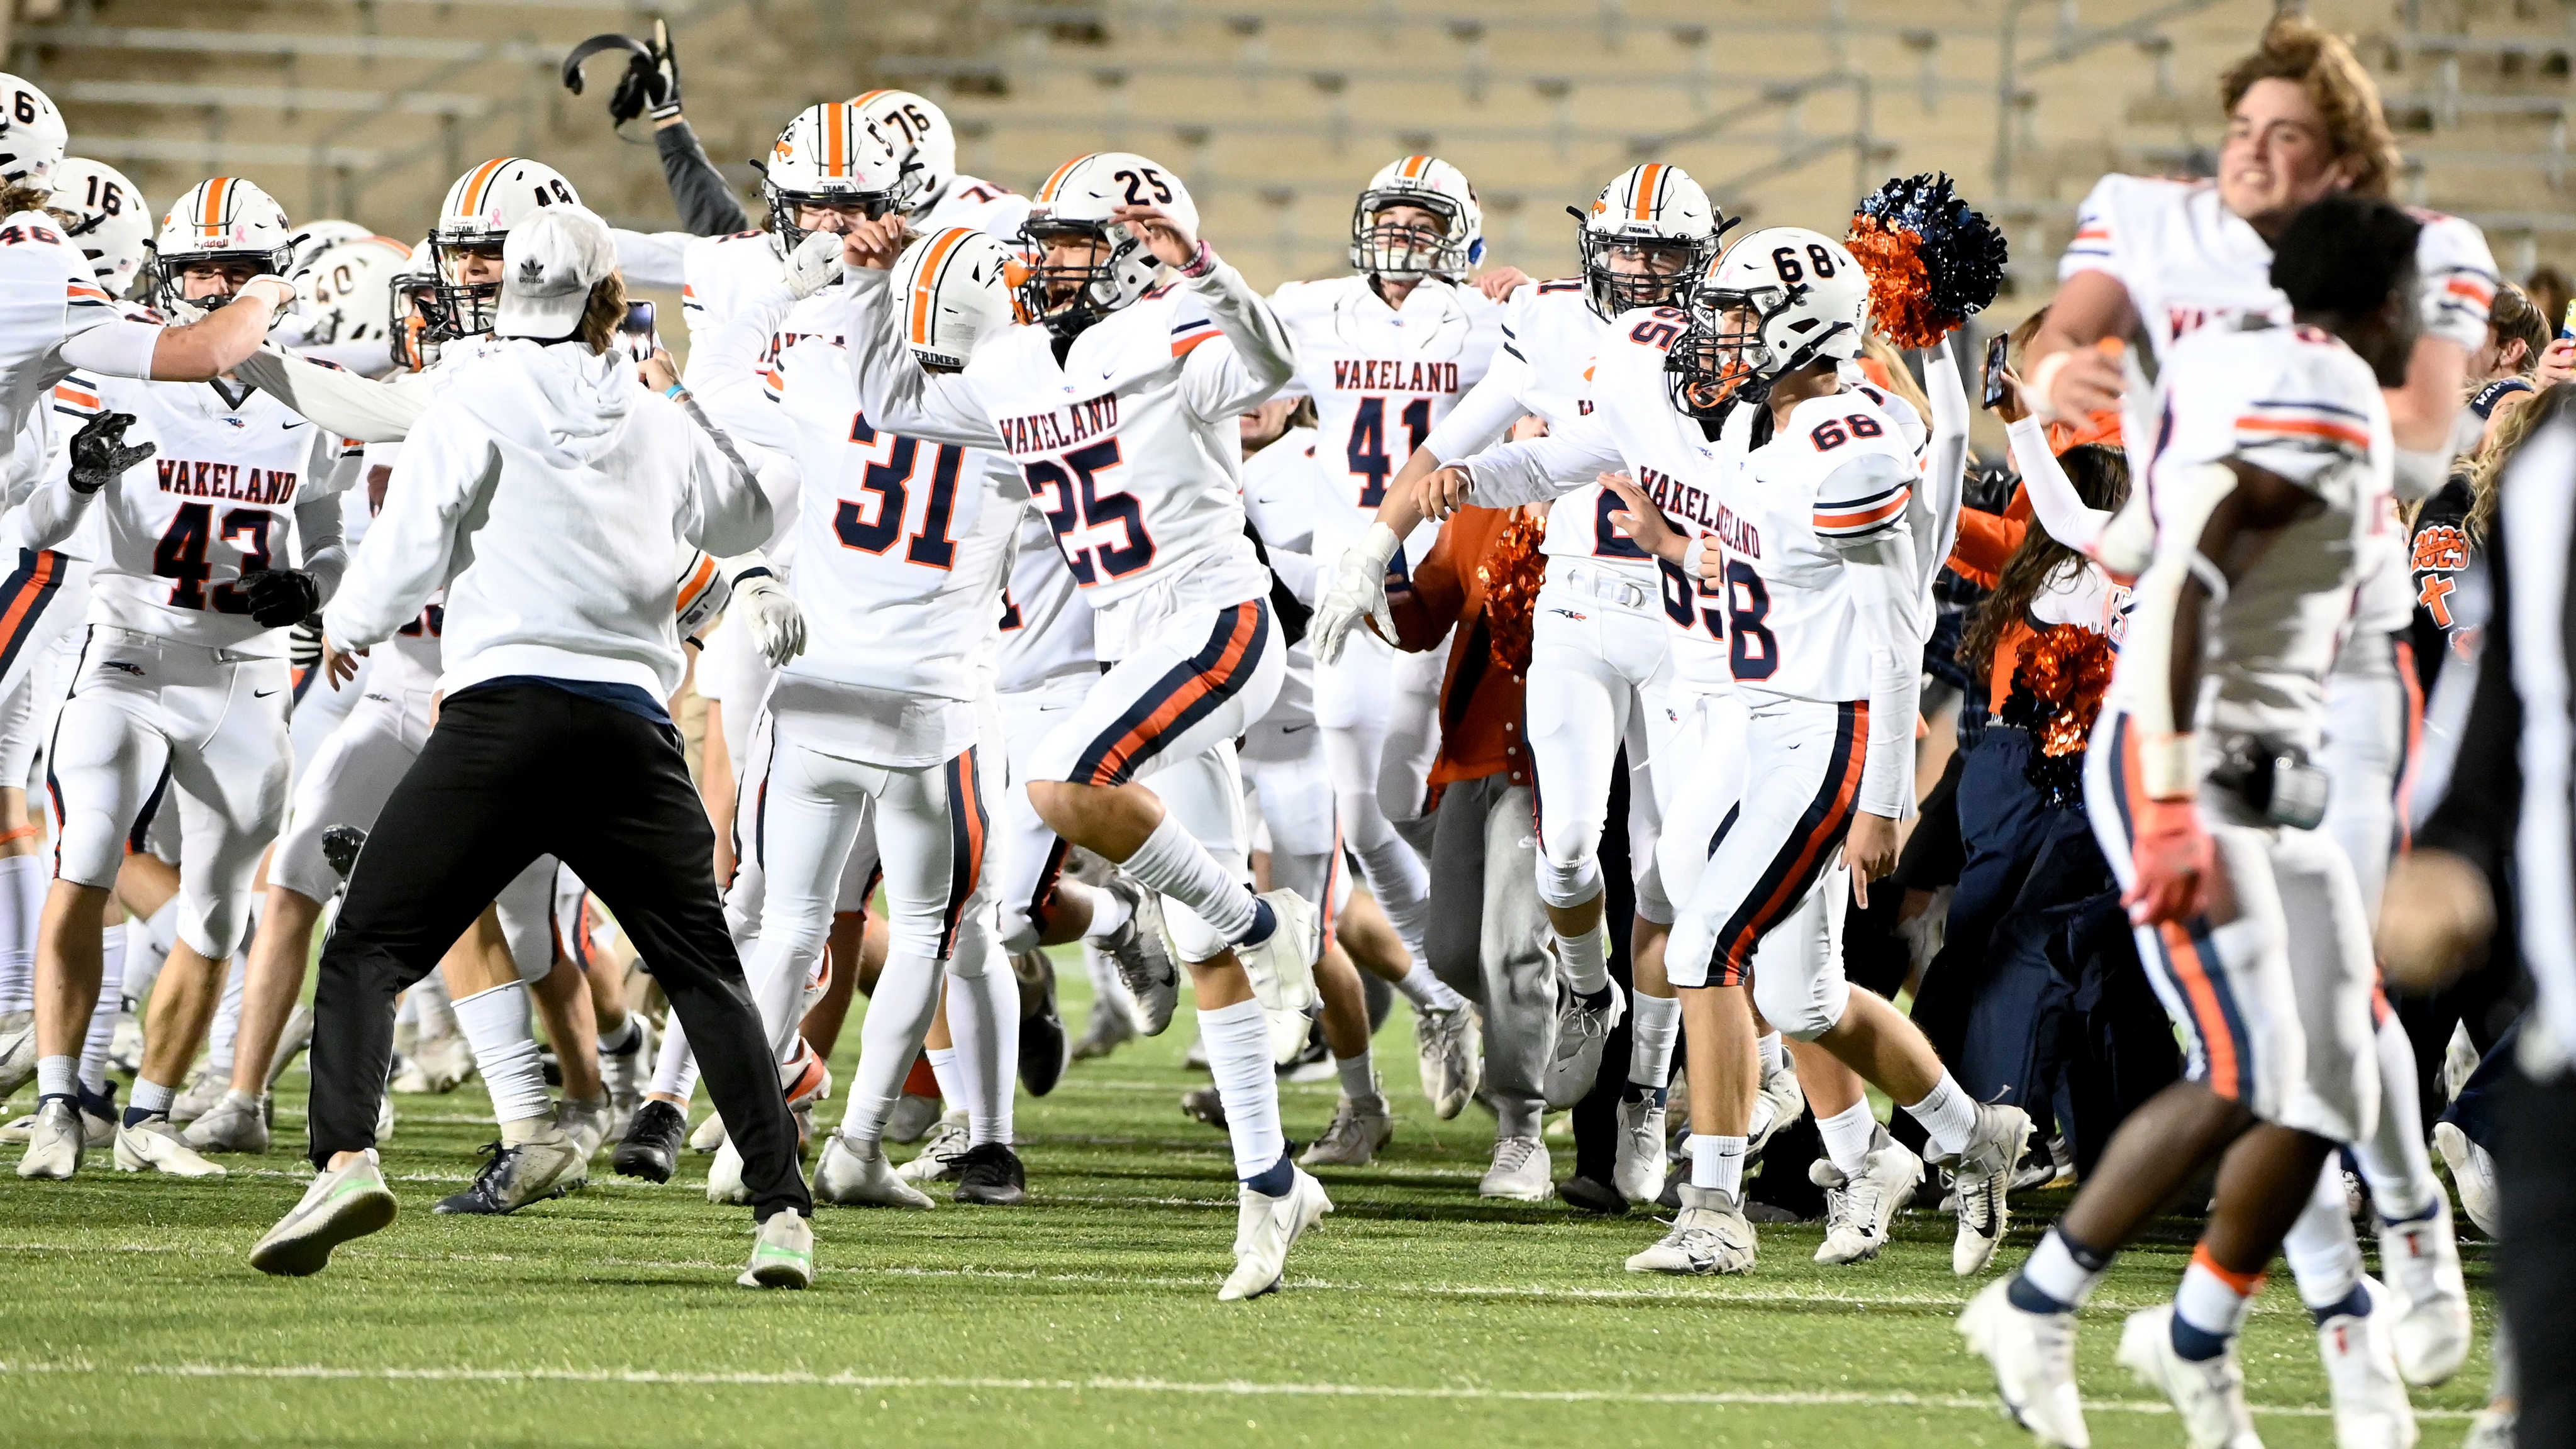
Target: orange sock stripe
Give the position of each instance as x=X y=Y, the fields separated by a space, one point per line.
x=2245 y=1284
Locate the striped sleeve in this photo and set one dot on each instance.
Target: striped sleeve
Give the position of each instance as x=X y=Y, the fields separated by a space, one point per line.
x=2456 y=279
x=1863 y=462
x=79 y=293
x=1862 y=498
x=2095 y=247
x=76 y=396
x=1189 y=335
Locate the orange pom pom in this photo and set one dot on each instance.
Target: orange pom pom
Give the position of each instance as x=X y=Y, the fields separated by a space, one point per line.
x=1511 y=575
x=1900 y=286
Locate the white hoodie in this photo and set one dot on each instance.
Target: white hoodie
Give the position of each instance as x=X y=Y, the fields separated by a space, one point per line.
x=547 y=489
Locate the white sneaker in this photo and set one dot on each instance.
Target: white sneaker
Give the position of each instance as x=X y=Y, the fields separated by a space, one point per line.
x=1144 y=961
x=627 y=1075
x=1858 y=1210
x=586 y=1123
x=1983 y=1175
x=55 y=1144
x=238 y=1123
x=1359 y=1128
x=543 y=1167
x=1581 y=1032
x=384 y=1119
x=2370 y=1408
x=436 y=1064
x=2033 y=1355
x=2209 y=1396
x=2473 y=1172
x=1521 y=1171
x=724 y=1176
x=711 y=1133
x=1266 y=1227
x=1787 y=1101
x=17 y=1051
x=2492 y=1428
x=2421 y=1261
x=850 y=1179
x=154 y=1143
x=1282 y=972
x=291 y=1043
x=942 y=1155
x=782 y=1256
x=1710 y=1235
x=1637 y=1171
x=204 y=1090
x=97 y=1133
x=912 y=1118
x=349 y=1203
x=1450 y=1045
x=1109 y=1028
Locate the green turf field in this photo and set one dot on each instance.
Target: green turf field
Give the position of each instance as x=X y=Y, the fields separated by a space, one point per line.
x=1415 y=1315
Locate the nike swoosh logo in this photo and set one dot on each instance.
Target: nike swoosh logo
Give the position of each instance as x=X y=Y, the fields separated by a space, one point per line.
x=1293 y=729
x=262 y=693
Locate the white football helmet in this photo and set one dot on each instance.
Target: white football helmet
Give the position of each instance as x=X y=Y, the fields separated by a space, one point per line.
x=346 y=294
x=1075 y=205
x=1656 y=221
x=319 y=236
x=413 y=317
x=32 y=134
x=924 y=143
x=830 y=156
x=1778 y=300
x=956 y=287
x=222 y=221
x=477 y=216
x=107 y=218
x=1400 y=251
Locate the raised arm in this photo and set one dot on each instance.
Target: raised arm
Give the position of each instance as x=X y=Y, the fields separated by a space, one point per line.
x=408 y=551
x=2053 y=500
x=724 y=370
x=895 y=392
x=343 y=402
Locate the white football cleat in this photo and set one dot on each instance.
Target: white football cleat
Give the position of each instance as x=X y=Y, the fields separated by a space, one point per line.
x=1450 y=1045
x=912 y=1118
x=1581 y=1032
x=2370 y=1408
x=154 y=1144
x=437 y=1064
x=724 y=1176
x=2431 y=1331
x=1281 y=969
x=1522 y=1171
x=1710 y=1235
x=238 y=1123
x=1357 y=1131
x=384 y=1119
x=1786 y=1101
x=1267 y=1227
x=1858 y=1210
x=17 y=1051
x=1982 y=1175
x=782 y=1255
x=1637 y=1169
x=55 y=1143
x=2209 y=1396
x=1145 y=966
x=2033 y=1355
x=586 y=1123
x=349 y=1203
x=627 y=1075
x=850 y=1179
x=943 y=1155
x=199 y=1097
x=2473 y=1172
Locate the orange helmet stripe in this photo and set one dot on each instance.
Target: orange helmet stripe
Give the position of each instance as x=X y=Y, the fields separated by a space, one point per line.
x=925 y=281
x=836 y=140
x=867 y=97
x=1413 y=167
x=211 y=217
x=1648 y=179
x=1047 y=192
x=480 y=182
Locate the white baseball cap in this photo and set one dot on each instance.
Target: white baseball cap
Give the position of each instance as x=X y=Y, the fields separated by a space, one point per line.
x=549 y=264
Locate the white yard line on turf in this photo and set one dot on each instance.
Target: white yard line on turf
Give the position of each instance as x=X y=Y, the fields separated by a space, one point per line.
x=1229 y=1388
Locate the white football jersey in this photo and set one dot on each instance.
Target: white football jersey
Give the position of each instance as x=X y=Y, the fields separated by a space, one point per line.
x=1130 y=445
x=984 y=205
x=903 y=547
x=1382 y=380
x=1046 y=623
x=1278 y=491
x=48 y=294
x=217 y=499
x=725 y=274
x=2297 y=403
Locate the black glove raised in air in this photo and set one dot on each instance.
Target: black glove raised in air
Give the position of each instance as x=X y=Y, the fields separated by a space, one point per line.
x=279 y=597
x=99 y=453
x=650 y=82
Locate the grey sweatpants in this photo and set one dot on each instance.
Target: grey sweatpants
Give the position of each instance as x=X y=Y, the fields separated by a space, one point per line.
x=1488 y=938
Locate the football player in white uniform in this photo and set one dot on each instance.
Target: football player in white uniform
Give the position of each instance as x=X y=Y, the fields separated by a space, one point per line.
x=1811 y=535
x=222 y=528
x=2268 y=481
x=2156 y=260
x=1601 y=640
x=1118 y=404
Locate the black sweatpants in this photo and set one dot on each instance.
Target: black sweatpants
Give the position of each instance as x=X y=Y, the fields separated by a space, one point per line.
x=513 y=772
x=2536 y=1263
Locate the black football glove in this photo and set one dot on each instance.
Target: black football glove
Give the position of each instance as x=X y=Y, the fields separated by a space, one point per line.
x=99 y=453
x=279 y=597
x=651 y=83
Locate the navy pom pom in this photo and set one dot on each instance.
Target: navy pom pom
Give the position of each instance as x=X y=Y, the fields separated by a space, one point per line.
x=1960 y=253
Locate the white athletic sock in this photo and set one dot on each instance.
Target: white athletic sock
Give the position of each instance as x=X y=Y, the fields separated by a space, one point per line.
x=777 y=978
x=2054 y=1270
x=2324 y=1255
x=1109 y=910
x=1396 y=877
x=984 y=1020
x=1586 y=958
x=227 y=1028
x=675 y=1067
x=102 y=1015
x=147 y=950
x=495 y=1023
x=2393 y=1158
x=1949 y=1116
x=18 y=932
x=623 y=1039
x=56 y=1075
x=437 y=1008
x=1717 y=1163
x=890 y=1036
x=1775 y=1052
x=151 y=1098
x=1847 y=1135
x=2209 y=1302
x=1426 y=991
x=944 y=1068
x=1358 y=1074
x=1654 y=1021
x=1238 y=1049
x=1172 y=862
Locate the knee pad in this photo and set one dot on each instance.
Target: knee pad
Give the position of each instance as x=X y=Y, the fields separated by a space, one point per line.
x=213 y=928
x=1802 y=1006
x=1565 y=884
x=89 y=849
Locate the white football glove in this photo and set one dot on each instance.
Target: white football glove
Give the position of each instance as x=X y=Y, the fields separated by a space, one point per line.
x=815 y=264
x=1358 y=591
x=777 y=625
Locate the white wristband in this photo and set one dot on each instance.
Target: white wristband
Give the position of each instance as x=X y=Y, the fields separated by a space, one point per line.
x=2034 y=389
x=2169 y=765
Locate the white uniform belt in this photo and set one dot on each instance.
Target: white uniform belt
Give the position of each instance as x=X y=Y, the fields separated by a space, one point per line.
x=1593 y=582
x=138 y=639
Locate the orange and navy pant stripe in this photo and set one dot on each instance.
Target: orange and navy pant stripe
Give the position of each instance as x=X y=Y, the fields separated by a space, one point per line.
x=2187 y=954
x=1187 y=693
x=30 y=589
x=968 y=827
x=1792 y=869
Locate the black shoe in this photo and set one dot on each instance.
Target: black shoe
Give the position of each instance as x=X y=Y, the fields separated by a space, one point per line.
x=1585 y=1195
x=992 y=1175
x=1044 y=1048
x=652 y=1146
x=1204 y=1104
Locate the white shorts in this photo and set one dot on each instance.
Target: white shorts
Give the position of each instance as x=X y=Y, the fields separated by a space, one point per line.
x=1698 y=780
x=1594 y=662
x=320 y=709
x=350 y=778
x=1028 y=856
x=2374 y=719
x=145 y=714
x=2271 y=987
x=1300 y=812
x=27 y=711
x=746 y=895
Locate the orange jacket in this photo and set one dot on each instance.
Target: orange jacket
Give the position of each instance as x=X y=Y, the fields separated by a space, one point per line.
x=1481 y=729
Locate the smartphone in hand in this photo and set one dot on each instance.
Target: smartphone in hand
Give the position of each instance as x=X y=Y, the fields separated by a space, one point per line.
x=1997 y=382
x=637 y=331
